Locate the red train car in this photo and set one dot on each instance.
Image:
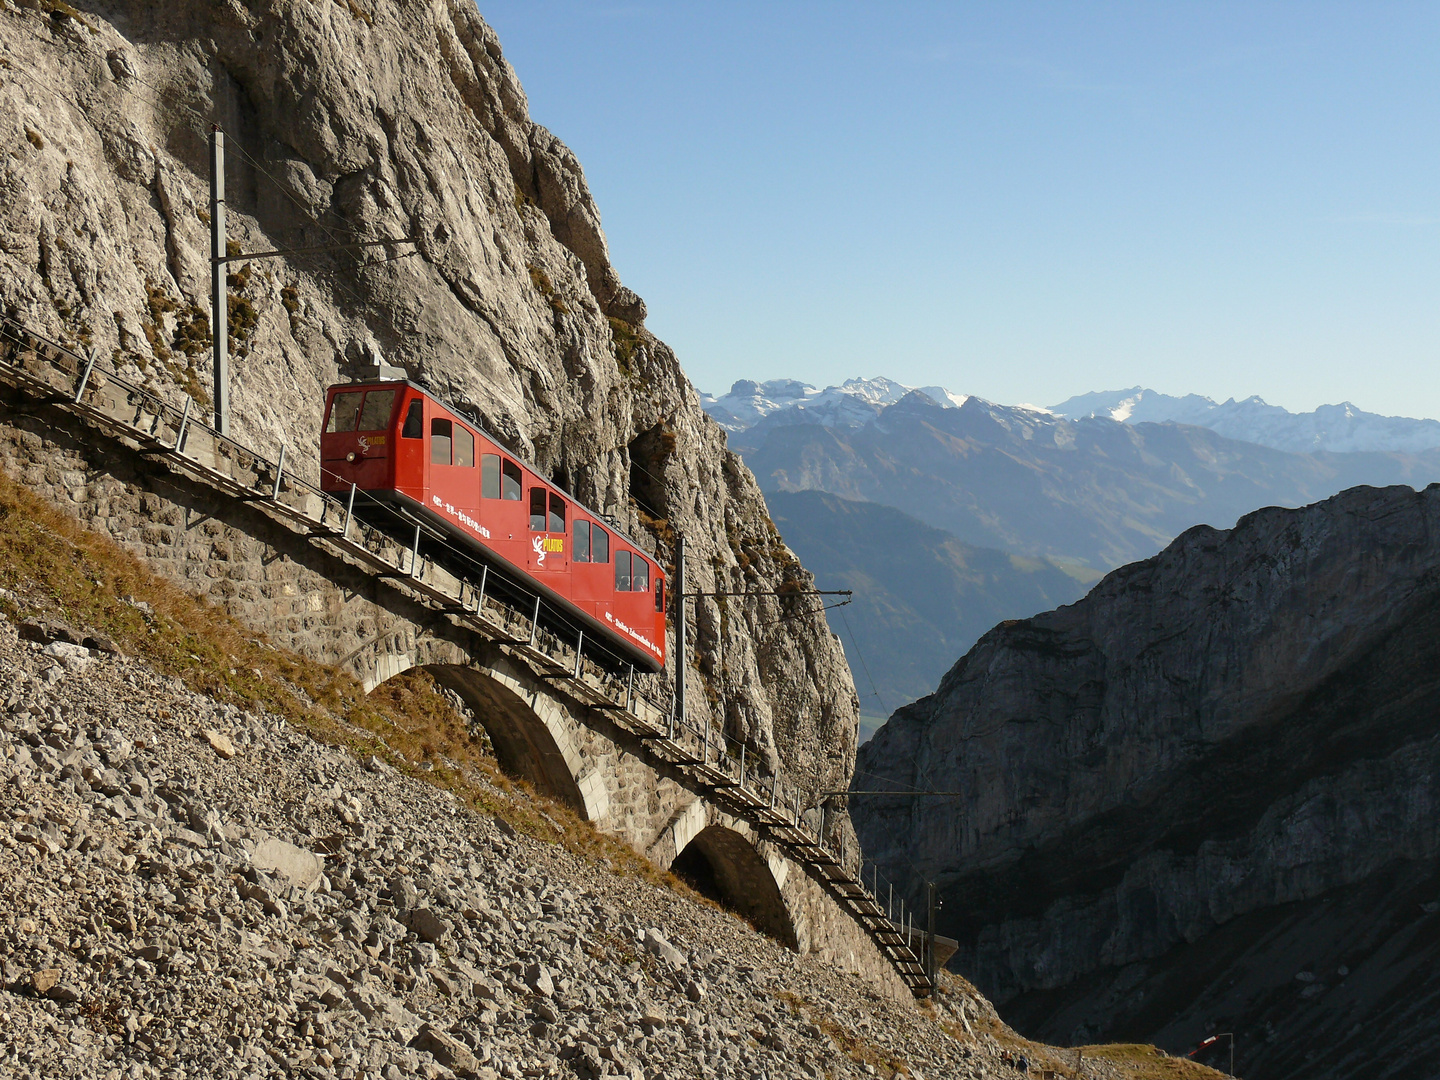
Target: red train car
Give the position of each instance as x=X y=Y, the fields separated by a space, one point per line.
x=399 y=445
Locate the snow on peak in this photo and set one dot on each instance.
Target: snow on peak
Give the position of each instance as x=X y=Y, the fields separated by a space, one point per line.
x=853 y=403
x=1340 y=428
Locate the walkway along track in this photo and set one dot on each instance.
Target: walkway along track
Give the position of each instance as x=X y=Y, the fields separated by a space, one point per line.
x=101 y=399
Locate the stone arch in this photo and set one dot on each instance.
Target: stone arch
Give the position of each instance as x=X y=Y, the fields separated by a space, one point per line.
x=534 y=737
x=525 y=744
x=725 y=864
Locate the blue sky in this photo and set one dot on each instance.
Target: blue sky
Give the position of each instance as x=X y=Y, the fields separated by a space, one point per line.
x=1023 y=201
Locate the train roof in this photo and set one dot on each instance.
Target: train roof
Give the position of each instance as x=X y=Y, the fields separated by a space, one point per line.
x=364 y=384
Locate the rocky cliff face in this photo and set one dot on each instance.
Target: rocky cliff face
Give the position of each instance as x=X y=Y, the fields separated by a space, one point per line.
x=1203 y=795
x=374 y=119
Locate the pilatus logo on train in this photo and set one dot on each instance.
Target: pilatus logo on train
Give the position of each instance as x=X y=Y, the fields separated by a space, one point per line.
x=546 y=545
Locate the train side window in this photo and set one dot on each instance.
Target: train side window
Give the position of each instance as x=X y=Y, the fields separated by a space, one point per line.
x=378 y=406
x=557 y=513
x=414 y=421
x=622 y=571
x=509 y=480
x=537 y=509
x=344 y=411
x=659 y=594
x=581 y=551
x=639 y=575
x=464 y=447
x=489 y=476
x=599 y=544
x=440 y=441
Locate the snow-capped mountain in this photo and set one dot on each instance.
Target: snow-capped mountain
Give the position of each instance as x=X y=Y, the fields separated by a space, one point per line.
x=1341 y=428
x=853 y=403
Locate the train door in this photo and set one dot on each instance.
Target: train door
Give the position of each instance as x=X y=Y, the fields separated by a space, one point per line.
x=502 y=504
x=638 y=589
x=454 y=478
x=412 y=464
x=591 y=586
x=548 y=554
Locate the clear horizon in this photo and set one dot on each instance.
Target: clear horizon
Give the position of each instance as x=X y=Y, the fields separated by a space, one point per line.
x=1022 y=202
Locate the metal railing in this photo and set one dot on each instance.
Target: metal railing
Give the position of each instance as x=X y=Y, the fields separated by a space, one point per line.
x=735 y=774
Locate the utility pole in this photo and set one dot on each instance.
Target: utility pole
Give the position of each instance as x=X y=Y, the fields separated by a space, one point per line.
x=219 y=305
x=1212 y=1040
x=680 y=628
x=930 y=968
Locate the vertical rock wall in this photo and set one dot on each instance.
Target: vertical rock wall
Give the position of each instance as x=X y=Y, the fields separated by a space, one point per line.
x=368 y=120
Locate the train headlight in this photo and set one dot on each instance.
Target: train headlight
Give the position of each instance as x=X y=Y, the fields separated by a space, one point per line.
x=350 y=456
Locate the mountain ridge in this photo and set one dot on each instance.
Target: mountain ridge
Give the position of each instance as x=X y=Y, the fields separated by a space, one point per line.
x=1341 y=428
x=1094 y=490
x=1231 y=741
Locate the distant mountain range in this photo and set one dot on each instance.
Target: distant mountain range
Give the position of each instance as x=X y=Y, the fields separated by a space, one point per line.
x=922 y=597
x=1094 y=491
x=1339 y=428
x=948 y=514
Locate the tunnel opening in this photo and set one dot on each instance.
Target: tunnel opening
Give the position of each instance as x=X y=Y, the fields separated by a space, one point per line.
x=723 y=865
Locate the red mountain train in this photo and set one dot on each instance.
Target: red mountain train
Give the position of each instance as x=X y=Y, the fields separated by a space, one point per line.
x=399 y=445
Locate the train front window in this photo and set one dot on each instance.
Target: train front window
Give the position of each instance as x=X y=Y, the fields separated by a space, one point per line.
x=344 y=411
x=510 y=481
x=659 y=594
x=375 y=416
x=599 y=544
x=639 y=575
x=622 y=571
x=557 y=513
x=440 y=441
x=489 y=476
x=414 y=420
x=464 y=447
x=581 y=550
x=537 y=509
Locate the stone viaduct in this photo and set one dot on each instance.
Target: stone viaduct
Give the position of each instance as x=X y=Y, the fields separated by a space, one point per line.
x=310 y=598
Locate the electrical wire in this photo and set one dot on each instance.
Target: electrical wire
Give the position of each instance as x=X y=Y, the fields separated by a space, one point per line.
x=864 y=666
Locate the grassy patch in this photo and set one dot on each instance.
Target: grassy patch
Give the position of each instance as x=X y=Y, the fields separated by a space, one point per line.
x=546 y=288
x=59 y=12
x=625 y=341
x=1144 y=1062
x=64 y=569
x=357 y=12
x=856 y=1047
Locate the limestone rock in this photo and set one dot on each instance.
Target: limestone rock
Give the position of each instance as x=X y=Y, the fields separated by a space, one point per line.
x=219 y=743
x=401 y=118
x=1221 y=751
x=656 y=943
x=447 y=1050
x=295 y=864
